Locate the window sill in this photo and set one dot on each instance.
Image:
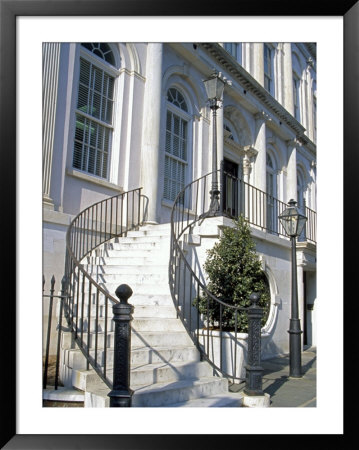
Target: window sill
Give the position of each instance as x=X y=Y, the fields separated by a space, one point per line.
x=94 y=180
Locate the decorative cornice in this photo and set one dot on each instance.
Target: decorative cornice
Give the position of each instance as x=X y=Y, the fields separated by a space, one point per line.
x=238 y=73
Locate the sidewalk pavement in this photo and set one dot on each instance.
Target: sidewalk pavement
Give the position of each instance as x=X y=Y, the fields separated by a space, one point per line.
x=285 y=391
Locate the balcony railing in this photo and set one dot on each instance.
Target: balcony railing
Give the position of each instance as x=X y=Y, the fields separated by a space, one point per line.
x=259 y=208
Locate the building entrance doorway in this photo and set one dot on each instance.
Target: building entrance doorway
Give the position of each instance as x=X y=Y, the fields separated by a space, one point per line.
x=230 y=188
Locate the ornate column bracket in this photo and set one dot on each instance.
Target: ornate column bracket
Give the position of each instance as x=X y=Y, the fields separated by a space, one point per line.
x=293 y=143
x=262 y=116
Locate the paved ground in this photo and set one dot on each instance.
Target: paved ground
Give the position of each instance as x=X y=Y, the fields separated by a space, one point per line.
x=285 y=391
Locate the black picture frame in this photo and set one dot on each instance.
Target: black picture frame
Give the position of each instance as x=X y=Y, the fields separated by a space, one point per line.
x=9 y=10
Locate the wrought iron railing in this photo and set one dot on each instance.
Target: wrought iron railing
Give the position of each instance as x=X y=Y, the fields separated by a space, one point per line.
x=259 y=208
x=87 y=308
x=54 y=312
x=187 y=280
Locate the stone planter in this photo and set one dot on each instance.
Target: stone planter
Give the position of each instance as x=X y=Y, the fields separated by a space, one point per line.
x=231 y=358
x=234 y=351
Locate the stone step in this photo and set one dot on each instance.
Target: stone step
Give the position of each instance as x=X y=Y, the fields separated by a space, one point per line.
x=148 y=311
x=112 y=268
x=141 y=358
x=63 y=394
x=165 y=394
x=144 y=288
x=157 y=338
x=127 y=253
x=137 y=245
x=143 y=238
x=131 y=278
x=162 y=394
x=155 y=299
x=162 y=232
x=137 y=299
x=161 y=372
x=154 y=311
x=158 y=227
x=152 y=339
x=128 y=259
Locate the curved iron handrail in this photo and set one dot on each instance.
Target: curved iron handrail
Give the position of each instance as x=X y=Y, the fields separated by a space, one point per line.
x=190 y=207
x=87 y=306
x=187 y=283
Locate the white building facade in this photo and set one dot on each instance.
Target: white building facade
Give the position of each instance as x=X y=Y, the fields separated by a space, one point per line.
x=119 y=116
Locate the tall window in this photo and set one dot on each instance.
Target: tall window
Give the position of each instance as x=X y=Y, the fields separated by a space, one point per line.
x=301 y=201
x=296 y=87
x=176 y=151
x=297 y=76
x=94 y=114
x=268 y=69
x=234 y=49
x=314 y=111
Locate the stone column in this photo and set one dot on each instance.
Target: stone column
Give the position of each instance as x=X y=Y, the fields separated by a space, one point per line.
x=152 y=130
x=261 y=147
x=300 y=281
x=309 y=97
x=291 y=171
x=220 y=151
x=279 y=78
x=246 y=168
x=50 y=74
x=258 y=62
x=288 y=101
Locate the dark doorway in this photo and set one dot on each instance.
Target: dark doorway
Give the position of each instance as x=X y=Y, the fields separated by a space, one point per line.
x=230 y=188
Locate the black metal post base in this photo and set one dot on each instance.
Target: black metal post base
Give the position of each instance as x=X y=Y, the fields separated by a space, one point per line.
x=120 y=398
x=253 y=380
x=214 y=207
x=253 y=368
x=295 y=352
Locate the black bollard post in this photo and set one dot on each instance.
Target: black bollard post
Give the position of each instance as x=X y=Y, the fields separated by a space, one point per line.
x=253 y=367
x=121 y=394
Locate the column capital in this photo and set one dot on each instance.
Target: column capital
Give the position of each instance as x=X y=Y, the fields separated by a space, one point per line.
x=249 y=151
x=262 y=115
x=293 y=143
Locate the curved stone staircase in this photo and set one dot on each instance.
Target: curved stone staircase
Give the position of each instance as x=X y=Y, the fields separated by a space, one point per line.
x=166 y=370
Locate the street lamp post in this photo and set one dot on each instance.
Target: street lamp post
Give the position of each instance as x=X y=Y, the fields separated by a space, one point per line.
x=214 y=88
x=293 y=223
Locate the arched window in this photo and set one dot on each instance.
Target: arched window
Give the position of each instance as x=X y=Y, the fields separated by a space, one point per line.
x=94 y=112
x=229 y=132
x=176 y=146
x=102 y=50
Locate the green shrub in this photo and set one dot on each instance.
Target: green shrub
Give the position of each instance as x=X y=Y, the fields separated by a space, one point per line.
x=234 y=271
